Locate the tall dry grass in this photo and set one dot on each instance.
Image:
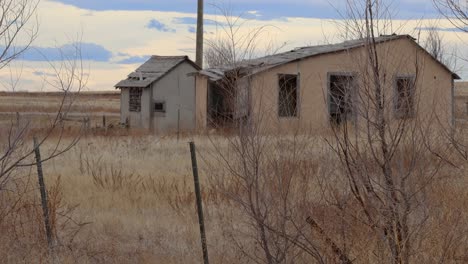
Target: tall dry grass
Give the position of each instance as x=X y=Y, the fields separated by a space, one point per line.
x=129 y=199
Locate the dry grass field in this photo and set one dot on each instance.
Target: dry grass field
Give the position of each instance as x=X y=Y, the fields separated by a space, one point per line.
x=130 y=199
x=135 y=195
x=41 y=106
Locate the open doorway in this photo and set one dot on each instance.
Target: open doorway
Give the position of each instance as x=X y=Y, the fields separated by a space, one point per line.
x=228 y=102
x=219 y=112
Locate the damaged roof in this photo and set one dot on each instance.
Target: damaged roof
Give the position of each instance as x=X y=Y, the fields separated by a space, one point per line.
x=254 y=66
x=153 y=70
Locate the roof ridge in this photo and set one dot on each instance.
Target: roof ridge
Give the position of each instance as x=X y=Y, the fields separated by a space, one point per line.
x=153 y=69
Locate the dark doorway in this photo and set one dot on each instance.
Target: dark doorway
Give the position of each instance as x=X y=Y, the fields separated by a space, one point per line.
x=219 y=113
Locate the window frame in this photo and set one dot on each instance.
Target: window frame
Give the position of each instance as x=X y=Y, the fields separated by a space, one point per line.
x=396 y=96
x=297 y=110
x=163 y=103
x=134 y=107
x=354 y=106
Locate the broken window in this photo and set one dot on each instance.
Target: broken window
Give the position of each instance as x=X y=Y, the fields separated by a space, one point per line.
x=404 y=101
x=341 y=89
x=288 y=95
x=135 y=100
x=160 y=107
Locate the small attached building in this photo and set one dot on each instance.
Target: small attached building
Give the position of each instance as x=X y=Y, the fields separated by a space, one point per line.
x=160 y=95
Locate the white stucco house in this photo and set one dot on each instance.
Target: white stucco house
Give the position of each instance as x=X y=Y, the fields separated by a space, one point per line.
x=160 y=95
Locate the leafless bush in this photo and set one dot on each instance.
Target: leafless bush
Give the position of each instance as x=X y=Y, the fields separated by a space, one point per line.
x=455 y=11
x=23 y=235
x=20 y=218
x=234 y=42
x=387 y=161
x=371 y=202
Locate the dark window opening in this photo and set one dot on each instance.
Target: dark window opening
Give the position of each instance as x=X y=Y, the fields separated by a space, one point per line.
x=135 y=100
x=404 y=101
x=341 y=91
x=160 y=107
x=288 y=95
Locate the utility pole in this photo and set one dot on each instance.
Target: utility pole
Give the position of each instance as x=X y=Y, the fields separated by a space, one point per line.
x=199 y=48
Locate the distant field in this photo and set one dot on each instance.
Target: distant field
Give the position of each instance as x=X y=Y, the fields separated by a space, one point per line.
x=41 y=106
x=84 y=102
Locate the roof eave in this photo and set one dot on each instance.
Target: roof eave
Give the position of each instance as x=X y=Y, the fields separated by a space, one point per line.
x=117 y=86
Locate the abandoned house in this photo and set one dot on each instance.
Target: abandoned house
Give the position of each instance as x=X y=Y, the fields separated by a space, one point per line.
x=160 y=95
x=315 y=87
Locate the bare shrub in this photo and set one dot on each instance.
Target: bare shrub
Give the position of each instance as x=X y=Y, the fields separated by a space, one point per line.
x=372 y=201
x=23 y=236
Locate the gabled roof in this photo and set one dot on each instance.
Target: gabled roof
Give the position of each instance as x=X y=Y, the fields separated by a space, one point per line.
x=153 y=70
x=254 y=66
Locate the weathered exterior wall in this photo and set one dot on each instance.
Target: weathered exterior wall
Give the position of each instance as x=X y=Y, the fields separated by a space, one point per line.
x=201 y=101
x=136 y=119
x=177 y=90
x=124 y=98
x=399 y=57
x=461 y=101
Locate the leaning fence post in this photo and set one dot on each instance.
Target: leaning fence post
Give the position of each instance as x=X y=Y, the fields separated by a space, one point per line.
x=201 y=221
x=42 y=188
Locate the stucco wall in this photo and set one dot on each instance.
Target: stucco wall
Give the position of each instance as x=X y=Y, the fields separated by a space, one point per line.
x=177 y=90
x=461 y=101
x=398 y=57
x=136 y=119
x=124 y=112
x=201 y=101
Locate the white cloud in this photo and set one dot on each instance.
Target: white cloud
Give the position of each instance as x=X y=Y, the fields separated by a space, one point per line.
x=126 y=32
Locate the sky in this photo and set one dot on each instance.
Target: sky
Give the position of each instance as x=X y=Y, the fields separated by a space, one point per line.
x=116 y=36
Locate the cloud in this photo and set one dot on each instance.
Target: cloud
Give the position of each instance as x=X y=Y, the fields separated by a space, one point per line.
x=43 y=74
x=441 y=29
x=89 y=51
x=134 y=39
x=193 y=21
x=134 y=59
x=270 y=9
x=187 y=50
x=192 y=29
x=155 y=24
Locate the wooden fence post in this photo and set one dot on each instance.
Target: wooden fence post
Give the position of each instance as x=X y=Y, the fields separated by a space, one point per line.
x=104 y=121
x=201 y=221
x=42 y=188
